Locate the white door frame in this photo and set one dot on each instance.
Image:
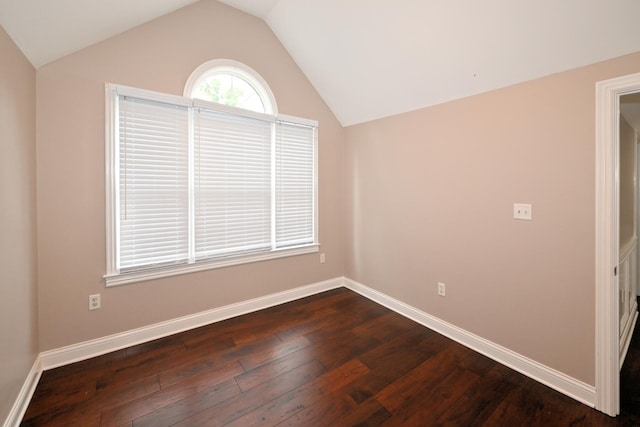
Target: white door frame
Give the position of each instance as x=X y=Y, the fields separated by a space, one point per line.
x=608 y=94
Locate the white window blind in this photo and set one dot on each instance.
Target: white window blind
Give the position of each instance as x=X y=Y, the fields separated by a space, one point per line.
x=232 y=184
x=153 y=183
x=193 y=185
x=295 y=184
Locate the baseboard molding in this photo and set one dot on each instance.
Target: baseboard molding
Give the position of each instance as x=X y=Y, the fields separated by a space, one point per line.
x=24 y=397
x=88 y=349
x=550 y=377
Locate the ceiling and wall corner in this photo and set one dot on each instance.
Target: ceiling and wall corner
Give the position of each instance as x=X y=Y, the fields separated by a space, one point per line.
x=49 y=30
x=374 y=58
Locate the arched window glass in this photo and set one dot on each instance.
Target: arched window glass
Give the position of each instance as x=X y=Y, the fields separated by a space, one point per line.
x=230 y=83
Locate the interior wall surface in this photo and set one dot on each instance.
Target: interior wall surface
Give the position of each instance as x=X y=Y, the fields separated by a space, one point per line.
x=430 y=199
x=18 y=253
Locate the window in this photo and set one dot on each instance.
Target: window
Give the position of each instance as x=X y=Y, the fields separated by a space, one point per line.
x=230 y=83
x=193 y=184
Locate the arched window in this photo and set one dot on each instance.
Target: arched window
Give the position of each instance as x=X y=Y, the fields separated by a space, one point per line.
x=231 y=83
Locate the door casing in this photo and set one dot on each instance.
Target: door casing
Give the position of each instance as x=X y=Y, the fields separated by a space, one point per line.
x=607 y=378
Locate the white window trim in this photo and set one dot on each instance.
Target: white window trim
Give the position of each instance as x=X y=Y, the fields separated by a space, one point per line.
x=161 y=272
x=113 y=277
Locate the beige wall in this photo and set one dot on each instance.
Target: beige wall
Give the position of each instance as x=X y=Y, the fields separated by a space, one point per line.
x=431 y=199
x=18 y=301
x=158 y=56
x=627 y=179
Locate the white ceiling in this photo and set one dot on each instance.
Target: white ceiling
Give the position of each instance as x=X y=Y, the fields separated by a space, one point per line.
x=374 y=58
x=46 y=30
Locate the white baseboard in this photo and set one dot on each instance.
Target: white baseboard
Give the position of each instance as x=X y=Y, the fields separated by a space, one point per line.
x=24 y=397
x=85 y=350
x=550 y=377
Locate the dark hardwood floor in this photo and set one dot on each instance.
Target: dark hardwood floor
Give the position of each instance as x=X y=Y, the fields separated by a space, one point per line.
x=333 y=359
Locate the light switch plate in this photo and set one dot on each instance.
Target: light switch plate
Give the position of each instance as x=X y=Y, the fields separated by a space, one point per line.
x=522 y=211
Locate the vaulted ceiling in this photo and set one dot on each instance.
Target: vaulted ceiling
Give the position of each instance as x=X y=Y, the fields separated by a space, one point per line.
x=374 y=58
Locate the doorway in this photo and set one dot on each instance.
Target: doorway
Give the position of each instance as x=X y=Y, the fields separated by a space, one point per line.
x=629 y=124
x=608 y=351
x=629 y=254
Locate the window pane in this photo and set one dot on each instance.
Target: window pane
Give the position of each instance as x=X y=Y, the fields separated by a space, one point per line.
x=230 y=90
x=232 y=167
x=295 y=194
x=153 y=183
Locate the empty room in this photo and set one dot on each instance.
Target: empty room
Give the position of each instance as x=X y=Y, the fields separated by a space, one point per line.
x=306 y=212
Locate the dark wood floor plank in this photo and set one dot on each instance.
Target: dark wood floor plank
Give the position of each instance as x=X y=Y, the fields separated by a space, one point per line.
x=212 y=351
x=480 y=401
x=331 y=359
x=289 y=317
x=544 y=407
x=255 y=357
x=152 y=349
x=387 y=326
x=124 y=414
x=48 y=398
x=335 y=353
x=304 y=328
x=89 y=367
x=212 y=380
x=429 y=403
x=273 y=368
x=428 y=374
x=177 y=411
x=306 y=396
x=269 y=322
x=216 y=334
x=222 y=413
x=369 y=413
x=121 y=392
x=195 y=370
x=385 y=359
x=76 y=416
x=351 y=314
x=78 y=380
x=315 y=414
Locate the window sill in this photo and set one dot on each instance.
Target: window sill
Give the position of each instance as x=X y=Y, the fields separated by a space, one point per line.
x=159 y=273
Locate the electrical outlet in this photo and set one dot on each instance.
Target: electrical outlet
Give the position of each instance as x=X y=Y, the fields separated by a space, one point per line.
x=322 y=258
x=522 y=211
x=94 y=302
x=442 y=289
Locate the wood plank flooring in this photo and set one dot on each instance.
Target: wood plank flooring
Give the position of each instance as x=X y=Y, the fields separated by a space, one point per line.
x=332 y=359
